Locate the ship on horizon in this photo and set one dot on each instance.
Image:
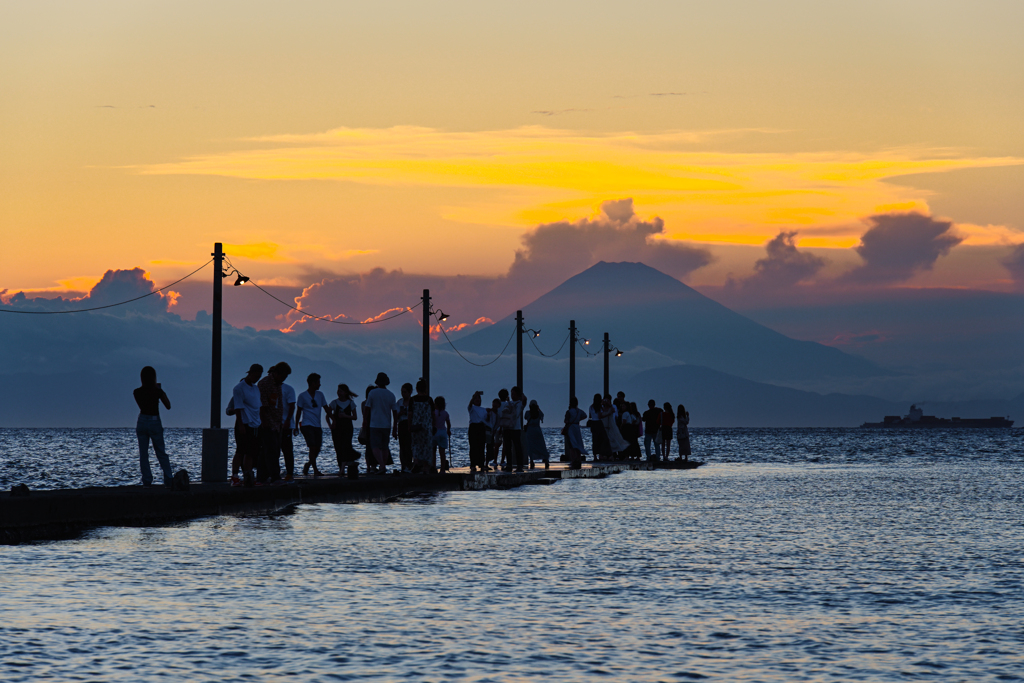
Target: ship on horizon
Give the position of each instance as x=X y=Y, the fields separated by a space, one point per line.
x=917 y=419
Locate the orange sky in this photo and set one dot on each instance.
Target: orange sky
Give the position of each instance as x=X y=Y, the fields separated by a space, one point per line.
x=334 y=139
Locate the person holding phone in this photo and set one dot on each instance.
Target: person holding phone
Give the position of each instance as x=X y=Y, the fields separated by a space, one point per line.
x=149 y=428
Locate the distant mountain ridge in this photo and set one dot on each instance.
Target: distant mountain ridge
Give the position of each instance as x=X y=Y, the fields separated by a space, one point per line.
x=716 y=399
x=640 y=306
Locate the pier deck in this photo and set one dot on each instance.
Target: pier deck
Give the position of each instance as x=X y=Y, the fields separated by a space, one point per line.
x=65 y=513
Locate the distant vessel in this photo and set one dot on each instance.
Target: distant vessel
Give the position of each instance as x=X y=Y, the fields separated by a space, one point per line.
x=917 y=419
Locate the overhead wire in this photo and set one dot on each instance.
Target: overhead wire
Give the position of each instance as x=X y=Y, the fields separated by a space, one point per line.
x=327 y=319
x=550 y=355
x=100 y=308
x=579 y=342
x=479 y=365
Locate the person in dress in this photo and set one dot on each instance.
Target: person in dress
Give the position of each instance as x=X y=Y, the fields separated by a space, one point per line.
x=598 y=436
x=683 y=432
x=421 y=429
x=246 y=399
x=341 y=419
x=616 y=444
x=477 y=433
x=534 y=435
x=629 y=431
x=148 y=427
x=288 y=423
x=442 y=431
x=310 y=404
x=668 y=418
x=573 y=434
x=402 y=428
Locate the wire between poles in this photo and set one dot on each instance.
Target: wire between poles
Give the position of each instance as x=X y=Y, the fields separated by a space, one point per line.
x=550 y=355
x=479 y=365
x=323 y=318
x=100 y=308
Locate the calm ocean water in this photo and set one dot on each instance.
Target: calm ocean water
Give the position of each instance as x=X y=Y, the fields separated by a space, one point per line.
x=794 y=555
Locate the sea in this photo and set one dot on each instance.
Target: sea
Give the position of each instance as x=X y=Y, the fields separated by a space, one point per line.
x=791 y=555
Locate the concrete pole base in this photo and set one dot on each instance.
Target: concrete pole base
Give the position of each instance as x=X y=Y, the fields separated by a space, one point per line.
x=215 y=456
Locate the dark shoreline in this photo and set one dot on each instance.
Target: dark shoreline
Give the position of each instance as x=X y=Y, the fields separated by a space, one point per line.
x=67 y=513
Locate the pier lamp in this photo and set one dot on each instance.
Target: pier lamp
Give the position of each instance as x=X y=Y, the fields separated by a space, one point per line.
x=242 y=279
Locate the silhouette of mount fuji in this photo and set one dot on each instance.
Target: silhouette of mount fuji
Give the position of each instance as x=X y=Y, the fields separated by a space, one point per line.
x=640 y=306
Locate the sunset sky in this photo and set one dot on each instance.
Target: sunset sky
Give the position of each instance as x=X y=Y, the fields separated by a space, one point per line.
x=323 y=138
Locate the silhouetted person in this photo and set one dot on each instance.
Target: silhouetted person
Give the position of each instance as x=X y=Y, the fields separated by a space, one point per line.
x=652 y=430
x=268 y=467
x=513 y=431
x=573 y=434
x=494 y=437
x=310 y=403
x=421 y=429
x=341 y=418
x=381 y=404
x=598 y=436
x=246 y=398
x=668 y=418
x=442 y=431
x=628 y=428
x=287 y=423
x=616 y=444
x=504 y=422
x=236 y=459
x=401 y=431
x=477 y=433
x=534 y=434
x=149 y=428
x=683 y=432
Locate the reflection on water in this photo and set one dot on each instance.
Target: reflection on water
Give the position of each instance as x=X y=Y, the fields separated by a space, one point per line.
x=798 y=560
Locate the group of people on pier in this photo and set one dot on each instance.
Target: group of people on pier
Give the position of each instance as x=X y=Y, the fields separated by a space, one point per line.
x=506 y=434
x=616 y=427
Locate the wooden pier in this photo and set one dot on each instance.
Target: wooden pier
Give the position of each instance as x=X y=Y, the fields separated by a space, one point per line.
x=66 y=513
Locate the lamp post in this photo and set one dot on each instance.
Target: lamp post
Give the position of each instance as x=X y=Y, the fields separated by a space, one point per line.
x=214 y=466
x=426 y=339
x=519 y=350
x=572 y=359
x=607 y=348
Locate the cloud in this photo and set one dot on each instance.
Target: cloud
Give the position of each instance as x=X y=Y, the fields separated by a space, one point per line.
x=114 y=287
x=699 y=177
x=784 y=266
x=556 y=112
x=1015 y=263
x=551 y=253
x=554 y=251
x=257 y=251
x=898 y=245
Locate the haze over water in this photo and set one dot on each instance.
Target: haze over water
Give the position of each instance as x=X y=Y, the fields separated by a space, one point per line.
x=792 y=555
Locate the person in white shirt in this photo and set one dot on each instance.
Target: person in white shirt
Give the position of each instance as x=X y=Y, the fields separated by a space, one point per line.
x=247 y=402
x=288 y=427
x=309 y=404
x=382 y=406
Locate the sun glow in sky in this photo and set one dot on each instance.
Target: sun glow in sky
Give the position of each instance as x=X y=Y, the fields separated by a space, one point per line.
x=326 y=138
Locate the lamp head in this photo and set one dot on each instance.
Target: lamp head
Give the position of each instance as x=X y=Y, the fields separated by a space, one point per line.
x=242 y=279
